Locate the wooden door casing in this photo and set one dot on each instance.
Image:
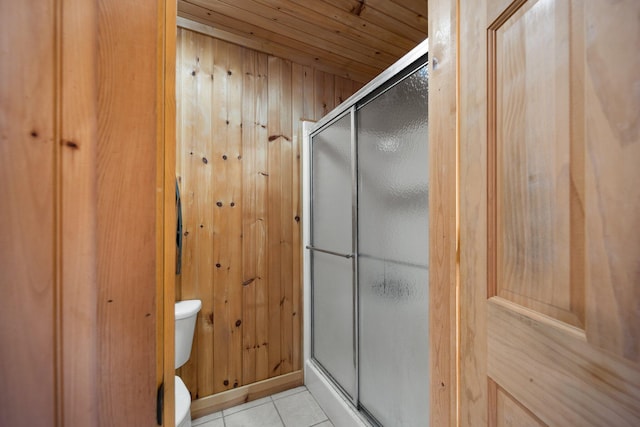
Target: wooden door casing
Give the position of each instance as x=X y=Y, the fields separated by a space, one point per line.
x=549 y=128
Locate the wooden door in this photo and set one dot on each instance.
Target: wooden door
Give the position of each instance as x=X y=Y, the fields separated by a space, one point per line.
x=549 y=117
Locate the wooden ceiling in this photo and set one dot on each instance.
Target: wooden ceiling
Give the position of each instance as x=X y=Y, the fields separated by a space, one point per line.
x=356 y=39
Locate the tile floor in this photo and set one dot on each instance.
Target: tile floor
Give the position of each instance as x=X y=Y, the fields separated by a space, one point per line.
x=291 y=408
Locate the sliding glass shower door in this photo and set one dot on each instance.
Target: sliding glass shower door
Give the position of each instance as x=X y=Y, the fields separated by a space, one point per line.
x=393 y=252
x=370 y=248
x=333 y=340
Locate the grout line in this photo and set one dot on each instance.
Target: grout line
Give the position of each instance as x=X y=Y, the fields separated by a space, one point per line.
x=278 y=412
x=325 y=414
x=273 y=401
x=246 y=409
x=289 y=395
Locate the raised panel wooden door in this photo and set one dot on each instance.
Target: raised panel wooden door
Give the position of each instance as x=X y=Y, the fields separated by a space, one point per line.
x=549 y=212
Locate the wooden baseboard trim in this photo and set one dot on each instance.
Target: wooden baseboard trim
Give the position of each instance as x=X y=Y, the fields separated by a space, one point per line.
x=217 y=402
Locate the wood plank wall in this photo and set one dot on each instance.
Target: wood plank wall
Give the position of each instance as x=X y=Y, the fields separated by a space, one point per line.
x=238 y=165
x=28 y=199
x=78 y=192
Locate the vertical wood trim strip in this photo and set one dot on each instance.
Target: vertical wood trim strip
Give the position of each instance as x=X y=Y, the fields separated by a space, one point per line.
x=126 y=211
x=443 y=199
x=218 y=186
x=274 y=230
x=472 y=227
x=577 y=163
x=308 y=101
x=76 y=234
x=492 y=403
x=167 y=221
x=297 y=97
x=262 y=218
x=329 y=91
x=233 y=207
x=286 y=222
x=321 y=103
x=249 y=223
x=343 y=89
x=493 y=242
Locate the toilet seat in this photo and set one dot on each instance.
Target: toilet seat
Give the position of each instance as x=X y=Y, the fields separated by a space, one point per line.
x=183 y=403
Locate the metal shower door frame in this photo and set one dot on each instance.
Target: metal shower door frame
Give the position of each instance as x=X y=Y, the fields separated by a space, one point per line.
x=395 y=74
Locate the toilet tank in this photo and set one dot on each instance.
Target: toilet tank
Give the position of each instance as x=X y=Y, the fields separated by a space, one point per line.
x=186 y=314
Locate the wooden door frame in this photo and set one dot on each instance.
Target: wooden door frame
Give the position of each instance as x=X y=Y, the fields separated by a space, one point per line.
x=443 y=212
x=443 y=202
x=166 y=212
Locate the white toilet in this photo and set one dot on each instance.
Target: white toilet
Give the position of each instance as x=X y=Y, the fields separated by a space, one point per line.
x=186 y=314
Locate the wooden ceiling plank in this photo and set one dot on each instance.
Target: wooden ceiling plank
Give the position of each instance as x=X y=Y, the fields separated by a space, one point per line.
x=196 y=24
x=347 y=18
x=223 y=9
x=372 y=36
x=299 y=53
x=266 y=15
x=416 y=6
x=243 y=28
x=401 y=13
x=372 y=16
x=356 y=39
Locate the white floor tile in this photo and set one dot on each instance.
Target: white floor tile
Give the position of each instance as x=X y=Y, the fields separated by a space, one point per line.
x=247 y=405
x=324 y=424
x=288 y=392
x=206 y=418
x=300 y=410
x=264 y=415
x=219 y=422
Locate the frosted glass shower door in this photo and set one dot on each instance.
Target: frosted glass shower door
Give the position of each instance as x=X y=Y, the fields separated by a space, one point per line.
x=393 y=230
x=331 y=261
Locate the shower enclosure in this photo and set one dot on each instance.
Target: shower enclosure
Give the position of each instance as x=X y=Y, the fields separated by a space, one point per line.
x=368 y=246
